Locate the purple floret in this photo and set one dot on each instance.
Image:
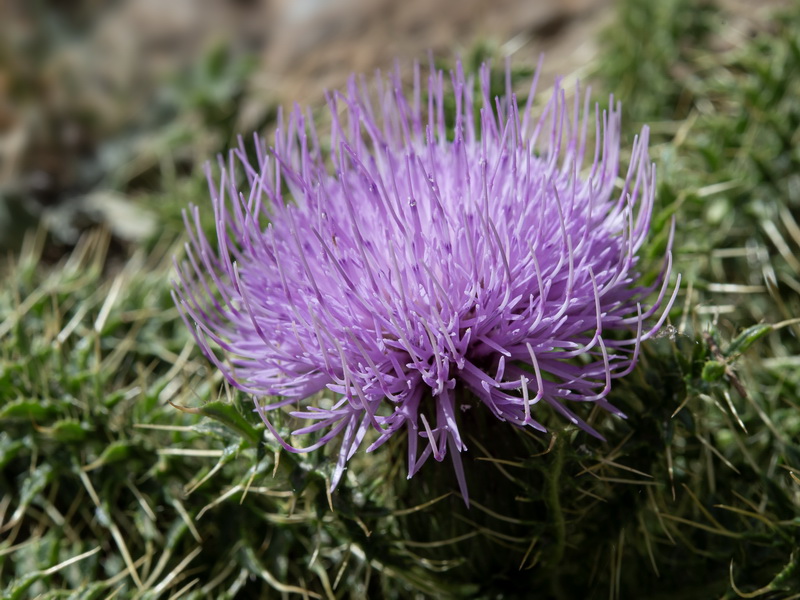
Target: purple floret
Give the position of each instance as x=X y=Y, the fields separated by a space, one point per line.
x=386 y=273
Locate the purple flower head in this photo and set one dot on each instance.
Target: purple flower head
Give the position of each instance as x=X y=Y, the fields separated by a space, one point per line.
x=381 y=276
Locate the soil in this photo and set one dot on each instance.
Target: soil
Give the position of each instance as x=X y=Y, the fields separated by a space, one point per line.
x=318 y=49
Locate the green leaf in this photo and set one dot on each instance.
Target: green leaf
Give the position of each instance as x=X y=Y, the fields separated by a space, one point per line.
x=92 y=591
x=9 y=448
x=35 y=483
x=114 y=452
x=713 y=370
x=31 y=410
x=227 y=415
x=68 y=430
x=215 y=430
x=744 y=340
x=16 y=590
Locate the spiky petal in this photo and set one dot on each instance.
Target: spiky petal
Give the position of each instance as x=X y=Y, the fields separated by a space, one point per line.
x=399 y=266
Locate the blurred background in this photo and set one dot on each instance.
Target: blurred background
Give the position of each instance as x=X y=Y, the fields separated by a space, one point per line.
x=99 y=100
x=102 y=101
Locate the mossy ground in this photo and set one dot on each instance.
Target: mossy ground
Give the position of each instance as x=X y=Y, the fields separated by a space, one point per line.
x=129 y=470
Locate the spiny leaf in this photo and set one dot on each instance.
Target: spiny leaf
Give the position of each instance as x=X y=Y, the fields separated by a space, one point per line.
x=32 y=410
x=713 y=370
x=9 y=448
x=226 y=414
x=35 y=483
x=747 y=338
x=68 y=430
x=17 y=589
x=114 y=452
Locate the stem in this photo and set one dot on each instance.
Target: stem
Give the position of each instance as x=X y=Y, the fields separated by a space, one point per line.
x=553 y=501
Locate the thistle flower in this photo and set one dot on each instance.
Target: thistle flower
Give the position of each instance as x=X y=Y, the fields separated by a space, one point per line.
x=388 y=273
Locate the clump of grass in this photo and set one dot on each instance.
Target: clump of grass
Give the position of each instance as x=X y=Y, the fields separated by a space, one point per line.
x=728 y=170
x=650 y=53
x=129 y=469
x=108 y=489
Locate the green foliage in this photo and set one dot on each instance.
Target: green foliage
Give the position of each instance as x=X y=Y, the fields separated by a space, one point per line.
x=129 y=470
x=110 y=479
x=727 y=170
x=649 y=51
